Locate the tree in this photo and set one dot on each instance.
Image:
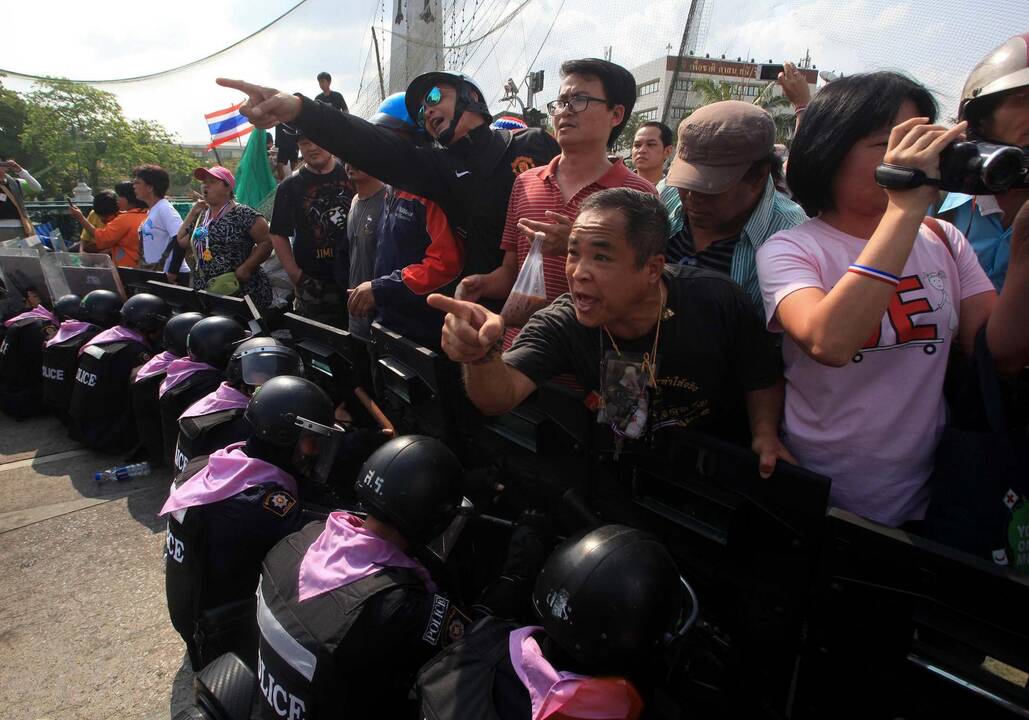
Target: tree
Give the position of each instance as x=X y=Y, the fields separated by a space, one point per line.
x=81 y=133
x=13 y=115
x=624 y=142
x=776 y=105
x=712 y=92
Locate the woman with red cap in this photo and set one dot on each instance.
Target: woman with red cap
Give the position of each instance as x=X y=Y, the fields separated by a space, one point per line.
x=230 y=240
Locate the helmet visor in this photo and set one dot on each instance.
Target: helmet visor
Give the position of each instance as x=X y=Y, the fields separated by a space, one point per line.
x=443 y=545
x=323 y=443
x=259 y=365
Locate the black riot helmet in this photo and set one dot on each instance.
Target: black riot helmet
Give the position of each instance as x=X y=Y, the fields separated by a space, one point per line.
x=610 y=597
x=67 y=307
x=213 y=339
x=101 y=308
x=282 y=408
x=176 y=330
x=145 y=312
x=258 y=360
x=414 y=483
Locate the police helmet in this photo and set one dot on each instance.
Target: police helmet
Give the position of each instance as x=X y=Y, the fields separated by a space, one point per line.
x=392 y=113
x=67 y=307
x=176 y=330
x=281 y=407
x=414 y=483
x=414 y=98
x=101 y=307
x=258 y=360
x=213 y=339
x=610 y=597
x=144 y=312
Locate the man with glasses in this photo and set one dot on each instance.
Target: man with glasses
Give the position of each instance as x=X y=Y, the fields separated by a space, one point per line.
x=469 y=171
x=594 y=104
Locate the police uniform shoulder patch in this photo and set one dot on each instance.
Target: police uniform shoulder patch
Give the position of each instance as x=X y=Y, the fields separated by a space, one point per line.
x=446 y=623
x=278 y=502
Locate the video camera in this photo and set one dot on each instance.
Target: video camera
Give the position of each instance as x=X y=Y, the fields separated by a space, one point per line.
x=972 y=168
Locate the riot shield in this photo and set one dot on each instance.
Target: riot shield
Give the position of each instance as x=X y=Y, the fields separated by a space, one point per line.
x=22 y=273
x=81 y=273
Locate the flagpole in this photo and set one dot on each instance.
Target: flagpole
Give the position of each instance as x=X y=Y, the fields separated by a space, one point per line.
x=216 y=155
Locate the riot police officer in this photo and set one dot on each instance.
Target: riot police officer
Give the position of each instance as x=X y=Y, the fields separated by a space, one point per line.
x=608 y=601
x=226 y=510
x=61 y=352
x=216 y=420
x=100 y=414
x=148 y=379
x=21 y=357
x=346 y=613
x=209 y=344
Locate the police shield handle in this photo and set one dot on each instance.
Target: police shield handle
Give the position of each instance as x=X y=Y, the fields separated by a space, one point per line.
x=265 y=107
x=470 y=331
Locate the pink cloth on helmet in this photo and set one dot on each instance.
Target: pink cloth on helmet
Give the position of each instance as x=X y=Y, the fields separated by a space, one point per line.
x=579 y=696
x=113 y=335
x=229 y=472
x=179 y=371
x=346 y=552
x=225 y=397
x=68 y=330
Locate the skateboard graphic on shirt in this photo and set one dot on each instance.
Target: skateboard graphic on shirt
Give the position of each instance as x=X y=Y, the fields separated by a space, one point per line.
x=900 y=313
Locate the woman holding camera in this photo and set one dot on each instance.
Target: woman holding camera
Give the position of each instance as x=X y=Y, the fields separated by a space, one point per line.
x=995 y=104
x=871 y=296
x=229 y=240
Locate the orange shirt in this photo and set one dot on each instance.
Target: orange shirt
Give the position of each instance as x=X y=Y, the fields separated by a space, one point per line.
x=120 y=237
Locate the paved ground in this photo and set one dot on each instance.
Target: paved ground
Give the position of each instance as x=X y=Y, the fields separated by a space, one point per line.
x=84 y=631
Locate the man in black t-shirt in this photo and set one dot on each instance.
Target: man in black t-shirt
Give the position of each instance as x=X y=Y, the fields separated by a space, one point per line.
x=329 y=96
x=654 y=346
x=312 y=205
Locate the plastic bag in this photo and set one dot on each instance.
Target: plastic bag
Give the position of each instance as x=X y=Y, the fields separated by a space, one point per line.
x=529 y=293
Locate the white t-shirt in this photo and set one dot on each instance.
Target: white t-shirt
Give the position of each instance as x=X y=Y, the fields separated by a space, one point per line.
x=160 y=227
x=873 y=425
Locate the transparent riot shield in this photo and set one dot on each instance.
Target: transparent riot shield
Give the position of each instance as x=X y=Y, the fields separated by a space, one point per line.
x=23 y=276
x=81 y=273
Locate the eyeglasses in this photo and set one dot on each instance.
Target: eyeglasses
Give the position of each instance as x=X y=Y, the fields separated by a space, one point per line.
x=576 y=103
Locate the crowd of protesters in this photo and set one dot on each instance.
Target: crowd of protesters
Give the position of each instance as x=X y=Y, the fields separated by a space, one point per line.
x=793 y=305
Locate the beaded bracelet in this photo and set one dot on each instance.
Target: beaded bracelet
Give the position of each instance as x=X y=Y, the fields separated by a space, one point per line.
x=874 y=274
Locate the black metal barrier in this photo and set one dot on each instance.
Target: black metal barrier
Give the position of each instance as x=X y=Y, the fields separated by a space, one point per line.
x=905 y=627
x=803 y=614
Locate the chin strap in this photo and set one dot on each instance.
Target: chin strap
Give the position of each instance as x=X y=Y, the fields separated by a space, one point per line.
x=465 y=103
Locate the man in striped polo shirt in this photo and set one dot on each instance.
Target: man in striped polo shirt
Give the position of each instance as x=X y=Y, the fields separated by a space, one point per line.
x=724 y=168
x=594 y=103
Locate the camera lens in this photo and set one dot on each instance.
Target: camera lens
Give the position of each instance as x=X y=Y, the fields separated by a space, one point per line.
x=1002 y=168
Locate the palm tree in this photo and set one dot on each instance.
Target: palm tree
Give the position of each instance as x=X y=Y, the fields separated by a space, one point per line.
x=713 y=92
x=782 y=114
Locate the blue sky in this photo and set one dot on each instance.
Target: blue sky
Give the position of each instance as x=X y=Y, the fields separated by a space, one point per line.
x=937 y=41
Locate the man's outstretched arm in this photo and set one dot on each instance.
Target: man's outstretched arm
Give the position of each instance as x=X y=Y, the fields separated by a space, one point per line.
x=376 y=150
x=472 y=335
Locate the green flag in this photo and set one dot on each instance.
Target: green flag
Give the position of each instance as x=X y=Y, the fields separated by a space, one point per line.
x=255 y=184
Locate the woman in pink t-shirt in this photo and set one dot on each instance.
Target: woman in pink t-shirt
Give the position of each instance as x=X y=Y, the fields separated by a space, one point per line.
x=870 y=298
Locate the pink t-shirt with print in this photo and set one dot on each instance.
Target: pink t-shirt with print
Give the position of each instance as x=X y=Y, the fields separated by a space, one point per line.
x=873 y=425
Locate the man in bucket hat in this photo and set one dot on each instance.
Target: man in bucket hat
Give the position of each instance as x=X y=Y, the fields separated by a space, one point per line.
x=725 y=167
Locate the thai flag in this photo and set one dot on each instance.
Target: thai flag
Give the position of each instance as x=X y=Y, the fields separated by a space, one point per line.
x=227 y=124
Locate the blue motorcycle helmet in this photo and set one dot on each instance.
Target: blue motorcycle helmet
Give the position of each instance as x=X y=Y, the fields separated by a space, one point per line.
x=392 y=113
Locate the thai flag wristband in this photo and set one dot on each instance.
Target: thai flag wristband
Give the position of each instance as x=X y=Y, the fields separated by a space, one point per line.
x=874 y=274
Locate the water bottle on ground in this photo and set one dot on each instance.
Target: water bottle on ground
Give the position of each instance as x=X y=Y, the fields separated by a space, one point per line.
x=122 y=473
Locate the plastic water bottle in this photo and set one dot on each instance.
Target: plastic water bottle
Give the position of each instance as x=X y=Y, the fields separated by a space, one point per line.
x=123 y=472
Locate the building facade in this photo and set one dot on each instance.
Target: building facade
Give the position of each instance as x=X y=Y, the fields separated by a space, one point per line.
x=748 y=81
